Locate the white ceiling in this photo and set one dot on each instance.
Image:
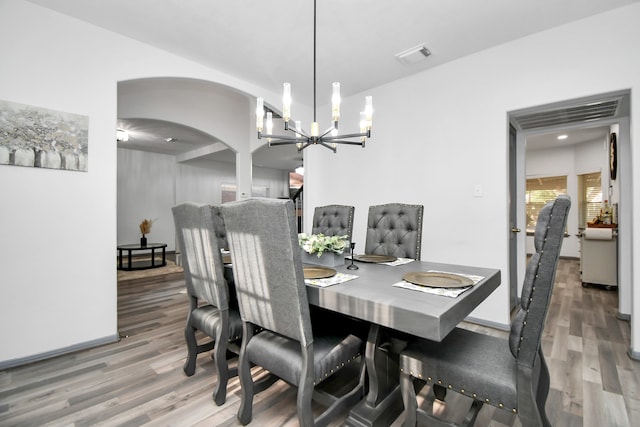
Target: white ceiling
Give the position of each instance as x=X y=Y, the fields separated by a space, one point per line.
x=269 y=42
x=574 y=136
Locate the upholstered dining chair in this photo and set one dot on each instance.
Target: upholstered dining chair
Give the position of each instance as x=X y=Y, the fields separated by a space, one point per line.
x=394 y=229
x=333 y=220
x=272 y=295
x=201 y=233
x=510 y=374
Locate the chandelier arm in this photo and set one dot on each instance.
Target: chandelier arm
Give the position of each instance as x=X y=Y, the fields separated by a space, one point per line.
x=292 y=139
x=311 y=142
x=325 y=145
x=351 y=135
x=274 y=142
x=347 y=142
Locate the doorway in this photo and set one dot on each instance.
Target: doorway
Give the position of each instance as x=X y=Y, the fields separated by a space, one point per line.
x=608 y=112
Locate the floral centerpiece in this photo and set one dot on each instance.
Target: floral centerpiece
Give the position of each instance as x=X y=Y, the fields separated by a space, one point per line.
x=328 y=249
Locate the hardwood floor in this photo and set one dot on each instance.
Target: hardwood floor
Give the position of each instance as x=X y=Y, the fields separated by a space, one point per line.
x=139 y=380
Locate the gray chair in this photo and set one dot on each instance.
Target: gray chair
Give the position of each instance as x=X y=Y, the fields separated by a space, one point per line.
x=272 y=295
x=510 y=374
x=200 y=231
x=333 y=220
x=394 y=229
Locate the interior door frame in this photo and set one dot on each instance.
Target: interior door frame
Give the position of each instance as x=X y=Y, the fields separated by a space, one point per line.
x=514 y=230
x=517 y=213
x=517 y=170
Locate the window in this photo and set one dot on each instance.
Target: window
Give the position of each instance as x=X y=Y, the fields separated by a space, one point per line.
x=539 y=192
x=590 y=197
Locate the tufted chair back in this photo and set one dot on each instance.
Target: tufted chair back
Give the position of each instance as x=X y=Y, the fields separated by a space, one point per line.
x=333 y=220
x=528 y=323
x=395 y=229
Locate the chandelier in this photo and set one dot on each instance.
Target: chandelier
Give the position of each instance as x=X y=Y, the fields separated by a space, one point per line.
x=329 y=138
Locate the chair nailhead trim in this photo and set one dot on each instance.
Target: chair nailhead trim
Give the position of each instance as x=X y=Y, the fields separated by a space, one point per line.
x=331 y=371
x=462 y=390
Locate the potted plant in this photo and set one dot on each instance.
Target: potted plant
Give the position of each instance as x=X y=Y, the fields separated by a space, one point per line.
x=323 y=250
x=145 y=228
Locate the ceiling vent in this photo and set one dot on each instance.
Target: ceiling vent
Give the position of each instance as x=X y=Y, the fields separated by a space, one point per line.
x=575 y=114
x=413 y=55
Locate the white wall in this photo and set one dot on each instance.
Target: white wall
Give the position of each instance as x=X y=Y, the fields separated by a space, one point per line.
x=146 y=190
x=58 y=288
x=438 y=133
x=569 y=161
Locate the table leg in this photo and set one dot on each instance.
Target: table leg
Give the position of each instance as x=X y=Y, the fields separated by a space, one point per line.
x=120 y=259
x=383 y=402
x=164 y=257
x=129 y=258
x=153 y=257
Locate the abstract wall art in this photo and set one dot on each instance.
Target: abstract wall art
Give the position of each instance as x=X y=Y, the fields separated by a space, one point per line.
x=43 y=138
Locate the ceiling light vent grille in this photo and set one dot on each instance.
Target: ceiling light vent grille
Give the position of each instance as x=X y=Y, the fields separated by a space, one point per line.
x=568 y=115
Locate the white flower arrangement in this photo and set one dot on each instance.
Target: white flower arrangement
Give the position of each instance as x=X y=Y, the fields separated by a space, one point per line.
x=319 y=243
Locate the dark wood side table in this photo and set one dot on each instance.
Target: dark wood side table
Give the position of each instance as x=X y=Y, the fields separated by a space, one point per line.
x=129 y=248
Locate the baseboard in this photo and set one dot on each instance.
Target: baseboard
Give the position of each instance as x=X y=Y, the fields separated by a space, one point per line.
x=487 y=323
x=623 y=316
x=58 y=352
x=635 y=355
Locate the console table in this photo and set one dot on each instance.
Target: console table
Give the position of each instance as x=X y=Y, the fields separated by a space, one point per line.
x=129 y=248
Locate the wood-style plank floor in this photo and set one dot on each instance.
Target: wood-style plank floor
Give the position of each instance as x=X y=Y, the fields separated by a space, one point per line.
x=139 y=380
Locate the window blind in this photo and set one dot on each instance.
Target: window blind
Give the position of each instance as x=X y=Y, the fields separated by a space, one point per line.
x=590 y=194
x=539 y=192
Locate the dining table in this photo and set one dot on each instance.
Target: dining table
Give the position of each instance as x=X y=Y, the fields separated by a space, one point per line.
x=396 y=311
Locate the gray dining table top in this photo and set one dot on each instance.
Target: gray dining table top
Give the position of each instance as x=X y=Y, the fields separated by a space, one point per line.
x=372 y=297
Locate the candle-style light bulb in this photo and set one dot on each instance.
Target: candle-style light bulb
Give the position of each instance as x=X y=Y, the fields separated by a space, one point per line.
x=298 y=124
x=259 y=114
x=335 y=102
x=286 y=102
x=368 y=110
x=315 y=129
x=269 y=123
x=363 y=125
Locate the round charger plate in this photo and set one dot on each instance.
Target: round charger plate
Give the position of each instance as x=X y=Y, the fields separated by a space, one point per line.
x=437 y=280
x=318 y=272
x=375 y=258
